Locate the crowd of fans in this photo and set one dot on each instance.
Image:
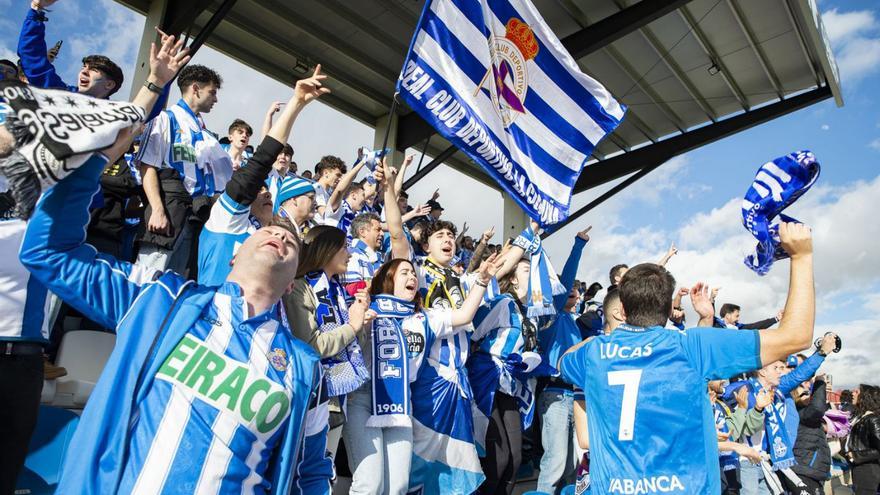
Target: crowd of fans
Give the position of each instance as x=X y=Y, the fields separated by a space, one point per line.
x=438 y=370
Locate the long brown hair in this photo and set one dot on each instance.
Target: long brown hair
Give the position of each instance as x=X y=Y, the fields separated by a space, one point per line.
x=869 y=400
x=320 y=245
x=383 y=281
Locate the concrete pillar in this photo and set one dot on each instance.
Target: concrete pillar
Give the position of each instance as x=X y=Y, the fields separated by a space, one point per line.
x=155 y=14
x=382 y=123
x=515 y=219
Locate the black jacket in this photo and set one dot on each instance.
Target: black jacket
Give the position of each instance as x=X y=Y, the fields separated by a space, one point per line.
x=811 y=448
x=863 y=444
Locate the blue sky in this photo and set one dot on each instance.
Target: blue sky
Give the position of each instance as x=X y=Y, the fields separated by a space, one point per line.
x=692 y=201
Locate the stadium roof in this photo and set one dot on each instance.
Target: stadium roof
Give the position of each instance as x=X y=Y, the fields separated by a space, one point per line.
x=691 y=71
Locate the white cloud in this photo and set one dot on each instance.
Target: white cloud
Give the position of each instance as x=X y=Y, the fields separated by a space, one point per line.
x=825 y=127
x=118 y=37
x=842 y=26
x=875 y=144
x=855 y=39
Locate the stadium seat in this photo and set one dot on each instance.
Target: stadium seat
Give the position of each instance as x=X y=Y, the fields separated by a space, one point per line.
x=83 y=353
x=50 y=440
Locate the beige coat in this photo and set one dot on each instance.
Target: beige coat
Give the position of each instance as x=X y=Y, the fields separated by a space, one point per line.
x=301 y=305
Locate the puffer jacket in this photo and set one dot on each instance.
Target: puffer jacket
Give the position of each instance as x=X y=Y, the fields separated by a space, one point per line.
x=863 y=443
x=811 y=448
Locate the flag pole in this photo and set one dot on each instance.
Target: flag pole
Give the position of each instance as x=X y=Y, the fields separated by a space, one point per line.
x=390 y=116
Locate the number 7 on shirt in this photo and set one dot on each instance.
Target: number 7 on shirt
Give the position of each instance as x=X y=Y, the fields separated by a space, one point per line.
x=630 y=380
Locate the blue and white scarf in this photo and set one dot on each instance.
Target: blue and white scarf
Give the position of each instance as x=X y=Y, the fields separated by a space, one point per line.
x=776 y=441
x=372 y=157
x=345 y=220
x=391 y=394
x=346 y=371
x=777 y=185
x=368 y=264
x=543 y=281
x=729 y=460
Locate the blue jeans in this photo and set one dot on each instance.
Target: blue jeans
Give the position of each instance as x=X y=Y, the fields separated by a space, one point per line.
x=752 y=479
x=379 y=458
x=558 y=463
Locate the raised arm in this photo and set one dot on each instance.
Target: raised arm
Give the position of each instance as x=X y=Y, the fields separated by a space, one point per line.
x=339 y=191
x=274 y=108
x=796 y=327
x=399 y=244
x=480 y=248
x=465 y=314
x=401 y=174
x=810 y=366
x=32 y=50
x=515 y=253
x=672 y=251
x=569 y=271
x=246 y=182
x=702 y=303
x=418 y=211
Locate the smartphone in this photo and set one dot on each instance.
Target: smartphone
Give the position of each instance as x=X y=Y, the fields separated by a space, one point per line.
x=58 y=45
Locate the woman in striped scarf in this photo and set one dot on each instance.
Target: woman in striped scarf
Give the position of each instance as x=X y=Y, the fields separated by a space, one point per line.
x=323 y=314
x=379 y=432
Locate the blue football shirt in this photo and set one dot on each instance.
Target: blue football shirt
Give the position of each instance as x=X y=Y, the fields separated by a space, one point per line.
x=650 y=421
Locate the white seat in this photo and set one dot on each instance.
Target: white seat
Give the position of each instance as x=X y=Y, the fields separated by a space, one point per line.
x=83 y=353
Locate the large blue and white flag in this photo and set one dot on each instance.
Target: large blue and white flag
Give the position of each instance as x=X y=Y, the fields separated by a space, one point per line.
x=494 y=80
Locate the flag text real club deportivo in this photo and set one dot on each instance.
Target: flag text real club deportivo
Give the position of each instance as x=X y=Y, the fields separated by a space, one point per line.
x=494 y=80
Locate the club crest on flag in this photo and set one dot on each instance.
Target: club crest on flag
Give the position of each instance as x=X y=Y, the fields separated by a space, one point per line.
x=509 y=71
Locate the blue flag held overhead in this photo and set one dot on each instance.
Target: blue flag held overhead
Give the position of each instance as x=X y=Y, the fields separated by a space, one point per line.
x=777 y=185
x=494 y=80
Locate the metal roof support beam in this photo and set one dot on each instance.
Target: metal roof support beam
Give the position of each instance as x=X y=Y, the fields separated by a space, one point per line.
x=212 y=24
x=679 y=74
x=616 y=26
x=644 y=160
x=713 y=55
x=621 y=165
x=448 y=152
x=174 y=18
x=803 y=44
x=628 y=69
x=756 y=49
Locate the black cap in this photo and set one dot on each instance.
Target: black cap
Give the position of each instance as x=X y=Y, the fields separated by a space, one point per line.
x=434 y=205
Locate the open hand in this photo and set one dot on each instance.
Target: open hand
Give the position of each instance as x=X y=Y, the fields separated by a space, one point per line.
x=763 y=399
x=489 y=268
x=167 y=60
x=742 y=397
x=700 y=299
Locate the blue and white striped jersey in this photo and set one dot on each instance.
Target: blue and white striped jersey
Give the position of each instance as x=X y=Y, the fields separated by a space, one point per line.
x=218 y=405
x=24 y=304
x=228 y=226
x=195 y=395
x=177 y=139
